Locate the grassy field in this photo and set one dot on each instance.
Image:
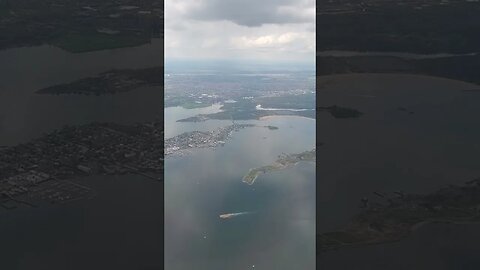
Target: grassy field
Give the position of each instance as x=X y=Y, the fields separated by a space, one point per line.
x=194 y=105
x=86 y=42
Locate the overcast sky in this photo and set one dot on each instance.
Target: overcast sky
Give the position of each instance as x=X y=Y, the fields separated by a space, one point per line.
x=262 y=30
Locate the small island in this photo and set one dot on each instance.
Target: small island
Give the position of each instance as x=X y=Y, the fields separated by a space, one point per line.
x=284 y=161
x=110 y=82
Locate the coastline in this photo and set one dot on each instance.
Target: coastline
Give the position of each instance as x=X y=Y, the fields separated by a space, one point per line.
x=267 y=117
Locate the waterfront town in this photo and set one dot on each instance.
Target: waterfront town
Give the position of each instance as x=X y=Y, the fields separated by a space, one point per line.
x=42 y=169
x=198 y=139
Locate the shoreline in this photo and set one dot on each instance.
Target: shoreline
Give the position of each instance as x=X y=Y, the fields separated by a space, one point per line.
x=284 y=161
x=267 y=117
x=353 y=75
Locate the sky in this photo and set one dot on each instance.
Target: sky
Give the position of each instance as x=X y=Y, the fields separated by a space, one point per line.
x=249 y=30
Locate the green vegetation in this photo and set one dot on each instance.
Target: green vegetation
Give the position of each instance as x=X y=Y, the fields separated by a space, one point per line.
x=110 y=82
x=86 y=42
x=253 y=174
x=413 y=27
x=241 y=105
x=284 y=161
x=187 y=102
x=73 y=25
x=462 y=68
x=194 y=105
x=421 y=27
x=396 y=216
x=246 y=110
x=305 y=101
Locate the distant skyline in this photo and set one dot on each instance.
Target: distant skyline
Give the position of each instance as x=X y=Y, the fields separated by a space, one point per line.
x=261 y=31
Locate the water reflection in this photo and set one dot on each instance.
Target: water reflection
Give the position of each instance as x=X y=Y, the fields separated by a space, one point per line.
x=127 y=211
x=118 y=228
x=279 y=234
x=173 y=114
x=387 y=150
x=25 y=115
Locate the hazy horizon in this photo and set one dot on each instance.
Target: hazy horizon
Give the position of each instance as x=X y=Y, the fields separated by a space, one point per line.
x=229 y=65
x=213 y=30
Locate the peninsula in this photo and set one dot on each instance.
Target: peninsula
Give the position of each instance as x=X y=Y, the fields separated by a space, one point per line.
x=110 y=82
x=208 y=139
x=284 y=161
x=393 y=217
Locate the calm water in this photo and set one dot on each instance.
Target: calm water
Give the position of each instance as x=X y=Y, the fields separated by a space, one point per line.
x=25 y=115
x=436 y=246
x=121 y=227
x=278 y=232
x=172 y=114
x=388 y=150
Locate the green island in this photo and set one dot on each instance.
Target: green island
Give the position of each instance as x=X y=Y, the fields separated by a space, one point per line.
x=110 y=82
x=94 y=41
x=284 y=161
x=395 y=216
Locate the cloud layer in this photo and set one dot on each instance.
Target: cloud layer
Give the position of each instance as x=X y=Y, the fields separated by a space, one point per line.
x=253 y=12
x=240 y=29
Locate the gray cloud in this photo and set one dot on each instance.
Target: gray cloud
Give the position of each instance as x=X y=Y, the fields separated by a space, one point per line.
x=253 y=13
x=240 y=29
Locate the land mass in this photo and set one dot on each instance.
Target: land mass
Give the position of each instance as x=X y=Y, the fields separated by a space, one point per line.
x=110 y=82
x=41 y=169
x=395 y=216
x=241 y=91
x=335 y=111
x=463 y=68
x=284 y=161
x=244 y=115
x=415 y=26
x=285 y=105
x=207 y=139
x=426 y=37
x=80 y=26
